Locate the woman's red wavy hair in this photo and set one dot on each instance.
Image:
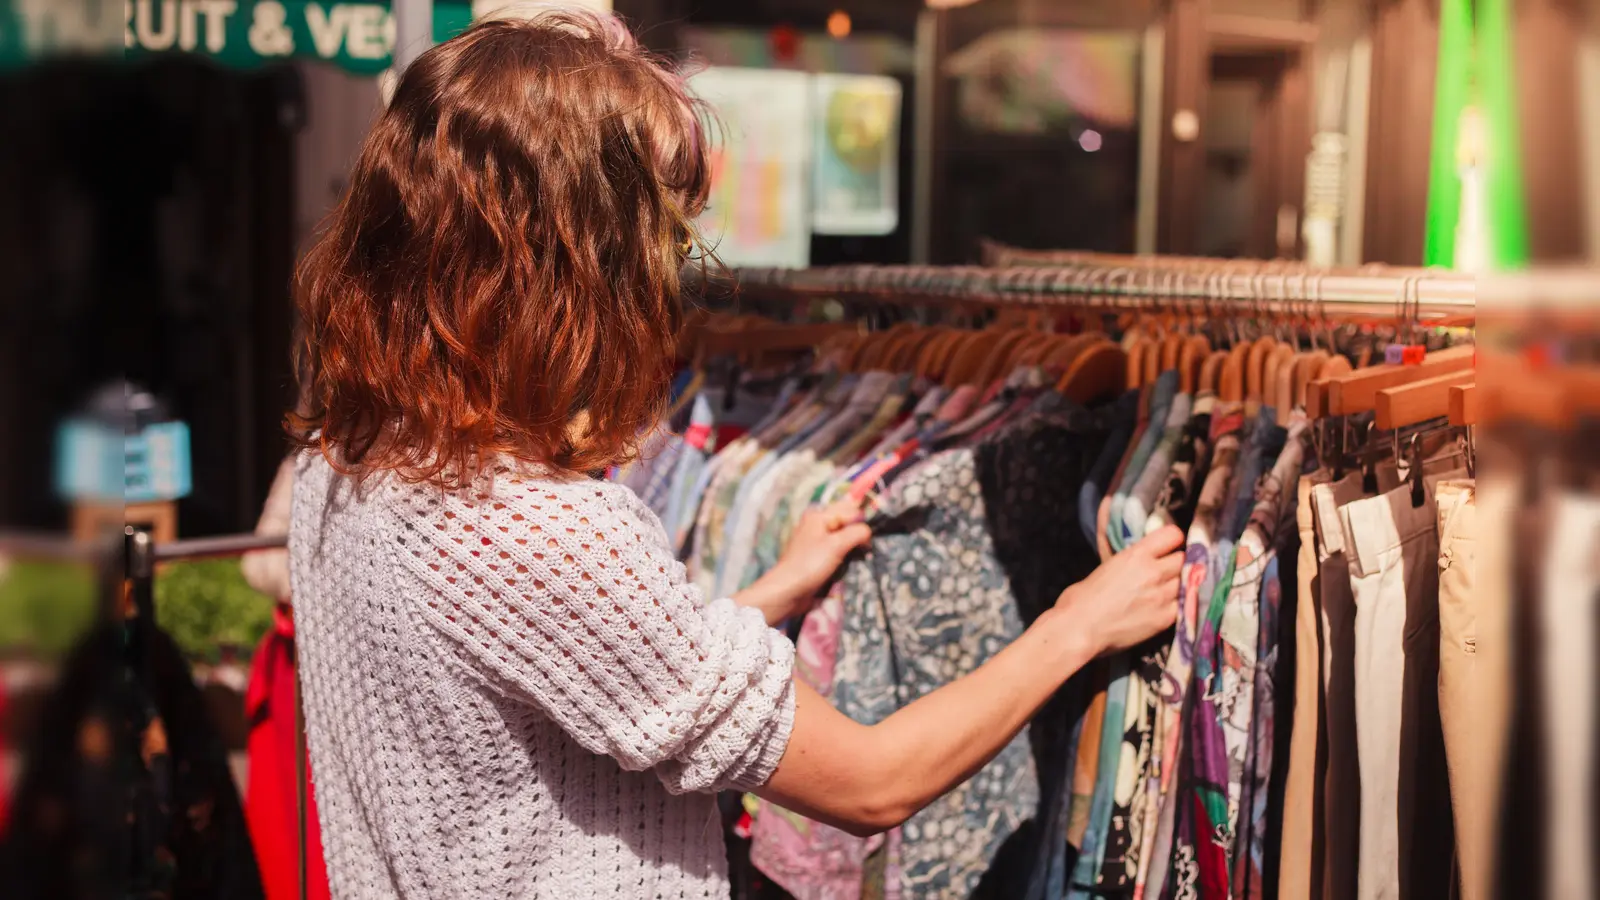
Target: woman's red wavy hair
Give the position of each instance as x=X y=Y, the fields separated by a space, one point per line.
x=502 y=276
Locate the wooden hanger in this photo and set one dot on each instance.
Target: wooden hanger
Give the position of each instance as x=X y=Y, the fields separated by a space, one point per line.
x=1317 y=399
x=971 y=356
x=1305 y=366
x=1335 y=365
x=1065 y=353
x=1418 y=401
x=1133 y=331
x=1033 y=351
x=910 y=352
x=1231 y=383
x=1193 y=355
x=1211 y=371
x=1464 y=404
x=948 y=350
x=1149 y=354
x=1255 y=369
x=1152 y=362
x=1133 y=358
x=1277 y=383
x=920 y=360
x=1000 y=361
x=865 y=349
x=1098 y=373
x=1357 y=392
x=1171 y=348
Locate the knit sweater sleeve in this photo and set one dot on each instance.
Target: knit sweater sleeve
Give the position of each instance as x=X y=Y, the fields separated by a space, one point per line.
x=564 y=594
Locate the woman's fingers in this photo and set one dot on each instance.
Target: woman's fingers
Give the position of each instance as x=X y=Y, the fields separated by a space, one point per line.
x=1162 y=541
x=841 y=514
x=853 y=536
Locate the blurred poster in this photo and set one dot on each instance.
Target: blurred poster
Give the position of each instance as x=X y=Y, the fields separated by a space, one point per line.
x=856 y=179
x=1035 y=80
x=757 y=214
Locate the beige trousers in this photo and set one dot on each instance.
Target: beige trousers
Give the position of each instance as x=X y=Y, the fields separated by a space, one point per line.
x=1300 y=861
x=1461 y=691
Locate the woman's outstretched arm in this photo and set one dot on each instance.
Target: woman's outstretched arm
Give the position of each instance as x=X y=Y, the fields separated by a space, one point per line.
x=865 y=779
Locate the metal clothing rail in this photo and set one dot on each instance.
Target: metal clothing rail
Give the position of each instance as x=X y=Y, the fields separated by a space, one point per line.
x=1132 y=283
x=225 y=545
x=24 y=545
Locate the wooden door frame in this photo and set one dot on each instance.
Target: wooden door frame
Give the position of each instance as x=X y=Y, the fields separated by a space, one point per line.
x=1193 y=36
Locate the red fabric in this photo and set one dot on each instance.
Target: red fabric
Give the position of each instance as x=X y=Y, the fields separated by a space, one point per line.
x=270 y=796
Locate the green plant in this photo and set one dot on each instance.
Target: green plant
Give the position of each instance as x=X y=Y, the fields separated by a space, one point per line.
x=206 y=605
x=45 y=606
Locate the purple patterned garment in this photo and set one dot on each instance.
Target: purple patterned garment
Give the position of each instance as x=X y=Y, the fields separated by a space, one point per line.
x=1250 y=845
x=1170 y=868
x=1264 y=539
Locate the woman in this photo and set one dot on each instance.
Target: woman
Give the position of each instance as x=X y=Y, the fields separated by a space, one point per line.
x=510 y=688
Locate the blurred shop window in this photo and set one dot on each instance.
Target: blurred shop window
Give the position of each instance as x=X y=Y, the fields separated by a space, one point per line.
x=1039 y=140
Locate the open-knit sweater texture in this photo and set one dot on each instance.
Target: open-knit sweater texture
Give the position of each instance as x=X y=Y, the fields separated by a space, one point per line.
x=512 y=691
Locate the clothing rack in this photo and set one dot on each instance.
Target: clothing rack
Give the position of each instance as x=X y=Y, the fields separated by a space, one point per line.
x=1137 y=283
x=141 y=556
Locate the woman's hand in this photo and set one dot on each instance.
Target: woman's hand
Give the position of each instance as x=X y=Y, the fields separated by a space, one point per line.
x=1131 y=597
x=816 y=550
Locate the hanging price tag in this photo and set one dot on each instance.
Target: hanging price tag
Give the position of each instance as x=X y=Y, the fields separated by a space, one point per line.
x=1404 y=354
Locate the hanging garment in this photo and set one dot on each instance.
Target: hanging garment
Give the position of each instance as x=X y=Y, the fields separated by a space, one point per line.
x=1302 y=834
x=1148 y=487
x=1102 y=520
x=811 y=860
x=1240 y=630
x=1191 y=459
x=699 y=443
x=1499 y=496
x=890 y=411
x=1114 y=727
x=954 y=571
x=126 y=790
x=1174 y=867
x=1124 y=418
x=1099 y=754
x=739 y=533
x=1407 y=840
x=270 y=799
x=1086 y=765
x=1342 y=790
x=1131 y=812
x=1468 y=736
x=1571 y=588
x=1124 y=840
x=1261 y=809
x=1161 y=398
x=1258 y=547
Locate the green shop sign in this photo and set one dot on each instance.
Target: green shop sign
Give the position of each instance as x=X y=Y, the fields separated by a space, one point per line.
x=356 y=36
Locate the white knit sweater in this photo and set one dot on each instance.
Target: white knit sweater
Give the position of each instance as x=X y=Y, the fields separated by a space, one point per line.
x=512 y=692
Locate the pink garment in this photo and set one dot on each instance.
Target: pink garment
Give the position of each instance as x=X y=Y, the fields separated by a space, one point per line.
x=808 y=859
